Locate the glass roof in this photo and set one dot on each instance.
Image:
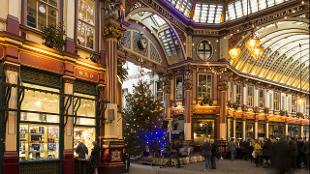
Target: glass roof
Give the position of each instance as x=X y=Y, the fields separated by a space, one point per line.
x=184 y=6
x=211 y=12
x=160 y=28
x=208 y=13
x=286 y=56
x=241 y=8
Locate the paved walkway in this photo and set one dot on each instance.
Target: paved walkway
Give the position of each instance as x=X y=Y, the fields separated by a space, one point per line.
x=223 y=166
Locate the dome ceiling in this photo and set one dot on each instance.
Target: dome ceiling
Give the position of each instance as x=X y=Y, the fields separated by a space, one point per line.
x=286 y=54
x=211 y=12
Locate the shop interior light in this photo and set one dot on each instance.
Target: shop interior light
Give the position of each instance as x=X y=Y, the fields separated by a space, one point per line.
x=234 y=53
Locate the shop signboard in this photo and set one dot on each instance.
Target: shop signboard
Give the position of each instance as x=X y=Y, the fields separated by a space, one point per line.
x=86 y=74
x=204 y=109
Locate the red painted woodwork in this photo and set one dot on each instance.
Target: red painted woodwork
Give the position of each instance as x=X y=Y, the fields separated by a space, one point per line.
x=12 y=25
x=70 y=46
x=11 y=162
x=68 y=162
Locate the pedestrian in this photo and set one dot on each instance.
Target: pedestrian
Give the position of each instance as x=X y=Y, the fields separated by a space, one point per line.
x=258 y=152
x=301 y=152
x=81 y=150
x=94 y=159
x=214 y=153
x=232 y=149
x=306 y=154
x=281 y=158
x=207 y=153
x=126 y=160
x=267 y=151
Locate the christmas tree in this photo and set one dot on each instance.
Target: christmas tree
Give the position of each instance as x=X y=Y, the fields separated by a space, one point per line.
x=143 y=121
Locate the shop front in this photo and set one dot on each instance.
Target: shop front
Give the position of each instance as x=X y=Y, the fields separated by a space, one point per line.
x=249 y=130
x=294 y=130
x=276 y=130
x=261 y=130
x=239 y=129
x=203 y=128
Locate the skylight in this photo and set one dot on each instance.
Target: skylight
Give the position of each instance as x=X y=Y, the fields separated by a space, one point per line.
x=158 y=20
x=209 y=13
x=183 y=6
x=169 y=41
x=239 y=8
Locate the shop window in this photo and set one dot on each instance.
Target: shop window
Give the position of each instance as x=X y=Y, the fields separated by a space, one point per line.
x=294 y=103
x=283 y=98
x=250 y=97
x=276 y=101
x=270 y=101
x=239 y=129
x=261 y=98
x=238 y=93
x=249 y=130
x=204 y=86
x=85 y=120
x=202 y=130
x=276 y=131
x=86 y=23
x=42 y=13
x=179 y=88
x=294 y=131
x=39 y=123
x=261 y=132
x=306 y=132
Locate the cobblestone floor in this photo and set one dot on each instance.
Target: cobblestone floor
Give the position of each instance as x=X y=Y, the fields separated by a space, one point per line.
x=223 y=166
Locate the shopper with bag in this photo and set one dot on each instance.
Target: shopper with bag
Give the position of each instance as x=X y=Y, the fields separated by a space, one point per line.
x=257 y=152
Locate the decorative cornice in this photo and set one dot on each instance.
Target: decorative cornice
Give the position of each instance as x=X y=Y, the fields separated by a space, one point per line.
x=112 y=32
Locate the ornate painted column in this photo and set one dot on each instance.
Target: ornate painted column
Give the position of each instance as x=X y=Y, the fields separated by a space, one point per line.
x=11 y=76
x=243 y=129
x=112 y=33
x=68 y=159
x=222 y=88
x=188 y=104
x=234 y=127
x=267 y=129
x=255 y=129
x=167 y=92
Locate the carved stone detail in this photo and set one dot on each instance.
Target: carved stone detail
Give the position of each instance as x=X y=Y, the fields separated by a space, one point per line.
x=188 y=73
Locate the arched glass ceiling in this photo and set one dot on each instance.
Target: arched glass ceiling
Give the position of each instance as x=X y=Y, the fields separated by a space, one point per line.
x=241 y=8
x=210 y=12
x=286 y=54
x=163 y=32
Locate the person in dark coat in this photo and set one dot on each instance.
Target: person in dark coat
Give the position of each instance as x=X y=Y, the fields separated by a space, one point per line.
x=214 y=152
x=206 y=148
x=94 y=159
x=267 y=151
x=81 y=150
x=301 y=152
x=293 y=151
x=281 y=157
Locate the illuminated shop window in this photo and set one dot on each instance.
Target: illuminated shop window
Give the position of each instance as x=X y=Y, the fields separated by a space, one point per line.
x=183 y=6
x=39 y=119
x=261 y=130
x=276 y=101
x=249 y=128
x=179 y=88
x=202 y=130
x=204 y=86
x=209 y=13
x=239 y=8
x=42 y=13
x=86 y=23
x=204 y=50
x=250 y=96
x=85 y=122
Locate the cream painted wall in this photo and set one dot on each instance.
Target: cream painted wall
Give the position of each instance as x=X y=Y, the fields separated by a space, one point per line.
x=15 y=8
x=69 y=17
x=4 y=9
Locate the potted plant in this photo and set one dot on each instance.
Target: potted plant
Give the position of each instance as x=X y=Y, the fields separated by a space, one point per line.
x=244 y=108
x=54 y=36
x=256 y=109
x=283 y=113
x=266 y=110
x=299 y=115
x=236 y=106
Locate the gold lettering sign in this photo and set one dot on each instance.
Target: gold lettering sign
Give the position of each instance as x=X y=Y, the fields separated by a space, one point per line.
x=116 y=155
x=204 y=110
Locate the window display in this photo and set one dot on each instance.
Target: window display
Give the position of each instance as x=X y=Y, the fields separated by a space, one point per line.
x=276 y=131
x=38 y=128
x=249 y=128
x=85 y=135
x=239 y=129
x=84 y=128
x=294 y=131
x=38 y=142
x=203 y=129
x=261 y=130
